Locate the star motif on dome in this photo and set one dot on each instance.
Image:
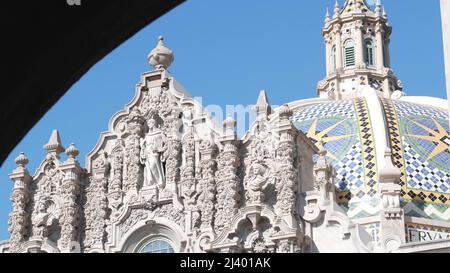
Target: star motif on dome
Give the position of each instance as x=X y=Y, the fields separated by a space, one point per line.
x=440 y=137
x=321 y=138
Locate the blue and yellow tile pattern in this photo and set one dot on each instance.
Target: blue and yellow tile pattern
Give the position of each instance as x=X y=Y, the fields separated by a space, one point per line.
x=344 y=128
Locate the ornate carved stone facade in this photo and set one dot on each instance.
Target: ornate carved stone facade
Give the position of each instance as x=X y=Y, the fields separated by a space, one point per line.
x=165 y=172
x=164 y=169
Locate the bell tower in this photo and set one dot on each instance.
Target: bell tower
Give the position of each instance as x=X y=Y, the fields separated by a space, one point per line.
x=357 y=52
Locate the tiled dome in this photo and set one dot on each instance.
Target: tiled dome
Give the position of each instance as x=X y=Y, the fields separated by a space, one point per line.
x=418 y=136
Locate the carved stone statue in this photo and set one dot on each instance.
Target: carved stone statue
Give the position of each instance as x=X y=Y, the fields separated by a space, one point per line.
x=257 y=182
x=151 y=150
x=42 y=219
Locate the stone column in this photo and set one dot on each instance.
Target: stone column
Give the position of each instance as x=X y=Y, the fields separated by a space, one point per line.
x=227 y=180
x=19 y=218
x=387 y=58
x=207 y=185
x=359 y=45
x=70 y=221
x=337 y=33
x=286 y=153
x=328 y=60
x=380 y=51
x=96 y=207
x=133 y=168
x=115 y=185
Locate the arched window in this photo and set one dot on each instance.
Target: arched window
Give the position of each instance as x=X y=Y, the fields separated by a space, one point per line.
x=349 y=53
x=333 y=58
x=157 y=246
x=369 y=52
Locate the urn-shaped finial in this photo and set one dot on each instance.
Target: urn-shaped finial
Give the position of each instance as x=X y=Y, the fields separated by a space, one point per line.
x=21 y=160
x=285 y=112
x=72 y=151
x=161 y=57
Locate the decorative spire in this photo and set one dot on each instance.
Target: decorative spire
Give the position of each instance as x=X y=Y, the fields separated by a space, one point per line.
x=161 y=57
x=327 y=16
x=262 y=106
x=384 y=13
x=337 y=9
x=54 y=145
x=378 y=8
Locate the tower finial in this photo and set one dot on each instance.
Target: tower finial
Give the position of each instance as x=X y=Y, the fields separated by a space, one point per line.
x=327 y=16
x=337 y=9
x=384 y=13
x=378 y=8
x=161 y=57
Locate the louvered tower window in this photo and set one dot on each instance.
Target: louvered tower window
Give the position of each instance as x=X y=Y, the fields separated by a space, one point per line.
x=349 y=53
x=369 y=53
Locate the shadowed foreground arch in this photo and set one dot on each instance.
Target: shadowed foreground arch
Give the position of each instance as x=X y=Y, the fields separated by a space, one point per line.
x=50 y=45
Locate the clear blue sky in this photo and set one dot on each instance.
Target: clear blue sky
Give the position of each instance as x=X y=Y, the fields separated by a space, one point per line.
x=226 y=51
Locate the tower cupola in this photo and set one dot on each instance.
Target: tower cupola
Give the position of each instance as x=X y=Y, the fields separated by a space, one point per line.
x=357 y=52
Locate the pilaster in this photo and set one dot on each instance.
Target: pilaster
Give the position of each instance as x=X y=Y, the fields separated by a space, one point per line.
x=19 y=218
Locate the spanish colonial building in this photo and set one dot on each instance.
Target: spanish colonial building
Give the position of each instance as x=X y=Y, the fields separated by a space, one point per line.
x=360 y=168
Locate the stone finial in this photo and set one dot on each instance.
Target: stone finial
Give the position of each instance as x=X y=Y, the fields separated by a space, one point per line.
x=72 y=151
x=161 y=57
x=323 y=171
x=337 y=10
x=262 y=106
x=54 y=144
x=378 y=8
x=327 y=16
x=322 y=161
x=384 y=12
x=285 y=112
x=229 y=125
x=21 y=160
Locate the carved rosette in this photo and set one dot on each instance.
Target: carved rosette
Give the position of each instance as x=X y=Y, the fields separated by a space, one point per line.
x=287 y=175
x=133 y=179
x=227 y=182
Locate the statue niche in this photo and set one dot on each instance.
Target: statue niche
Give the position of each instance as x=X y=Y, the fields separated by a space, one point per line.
x=152 y=149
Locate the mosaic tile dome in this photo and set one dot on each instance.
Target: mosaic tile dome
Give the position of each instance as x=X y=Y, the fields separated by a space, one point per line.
x=418 y=135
